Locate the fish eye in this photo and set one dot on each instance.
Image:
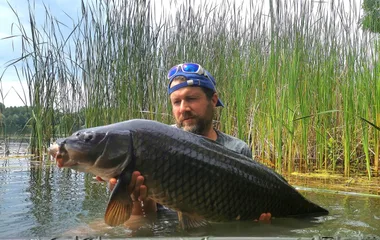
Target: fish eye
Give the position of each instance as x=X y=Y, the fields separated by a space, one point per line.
x=88 y=137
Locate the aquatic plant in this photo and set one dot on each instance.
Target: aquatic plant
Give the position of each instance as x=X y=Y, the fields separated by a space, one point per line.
x=295 y=77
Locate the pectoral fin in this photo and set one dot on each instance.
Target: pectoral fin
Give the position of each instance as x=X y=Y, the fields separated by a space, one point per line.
x=119 y=207
x=189 y=221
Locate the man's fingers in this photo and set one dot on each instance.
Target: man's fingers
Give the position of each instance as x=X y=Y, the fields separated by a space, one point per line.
x=139 y=181
x=265 y=217
x=143 y=193
x=113 y=181
x=132 y=184
x=99 y=179
x=136 y=190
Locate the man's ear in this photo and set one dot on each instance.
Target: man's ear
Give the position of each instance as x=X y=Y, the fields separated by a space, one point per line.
x=214 y=99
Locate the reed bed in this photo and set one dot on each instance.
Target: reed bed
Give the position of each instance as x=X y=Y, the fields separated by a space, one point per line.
x=297 y=79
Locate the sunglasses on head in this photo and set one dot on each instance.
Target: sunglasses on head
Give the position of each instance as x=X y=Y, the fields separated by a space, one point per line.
x=187 y=68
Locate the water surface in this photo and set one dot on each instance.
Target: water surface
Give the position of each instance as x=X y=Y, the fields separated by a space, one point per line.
x=39 y=200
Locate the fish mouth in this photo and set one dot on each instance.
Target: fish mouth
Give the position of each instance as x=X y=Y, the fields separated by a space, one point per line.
x=59 y=152
x=61 y=159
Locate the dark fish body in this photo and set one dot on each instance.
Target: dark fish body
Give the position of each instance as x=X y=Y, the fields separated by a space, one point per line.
x=185 y=172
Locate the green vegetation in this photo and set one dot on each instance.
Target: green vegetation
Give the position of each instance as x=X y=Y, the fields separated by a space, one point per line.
x=14 y=120
x=371 y=18
x=300 y=83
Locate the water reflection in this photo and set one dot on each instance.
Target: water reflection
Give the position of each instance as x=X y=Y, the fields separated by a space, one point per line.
x=61 y=199
x=40 y=190
x=40 y=200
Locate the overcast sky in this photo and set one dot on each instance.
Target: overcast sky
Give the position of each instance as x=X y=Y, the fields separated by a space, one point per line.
x=10 y=48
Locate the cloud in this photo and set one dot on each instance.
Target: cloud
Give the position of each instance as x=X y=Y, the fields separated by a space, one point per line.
x=11 y=88
x=12 y=91
x=13 y=95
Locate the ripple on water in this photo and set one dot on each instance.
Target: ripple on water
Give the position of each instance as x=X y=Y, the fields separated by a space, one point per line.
x=40 y=200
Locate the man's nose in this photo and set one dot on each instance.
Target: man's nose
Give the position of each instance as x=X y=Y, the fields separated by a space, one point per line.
x=184 y=107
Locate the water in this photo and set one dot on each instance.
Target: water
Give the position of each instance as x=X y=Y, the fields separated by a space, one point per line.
x=40 y=200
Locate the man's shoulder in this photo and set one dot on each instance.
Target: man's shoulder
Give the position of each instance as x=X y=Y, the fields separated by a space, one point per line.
x=233 y=143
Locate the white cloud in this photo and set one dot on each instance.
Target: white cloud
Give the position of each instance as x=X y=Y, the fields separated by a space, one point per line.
x=12 y=93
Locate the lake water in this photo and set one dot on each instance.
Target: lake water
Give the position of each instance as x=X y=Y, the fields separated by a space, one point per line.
x=39 y=200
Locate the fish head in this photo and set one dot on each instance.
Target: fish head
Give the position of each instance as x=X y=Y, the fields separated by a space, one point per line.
x=82 y=148
x=102 y=152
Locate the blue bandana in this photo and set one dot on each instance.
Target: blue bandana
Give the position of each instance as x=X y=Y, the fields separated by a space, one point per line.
x=194 y=80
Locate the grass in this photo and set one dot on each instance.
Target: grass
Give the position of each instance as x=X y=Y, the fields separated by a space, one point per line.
x=295 y=79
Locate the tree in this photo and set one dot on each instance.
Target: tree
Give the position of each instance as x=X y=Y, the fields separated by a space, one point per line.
x=371 y=18
x=15 y=120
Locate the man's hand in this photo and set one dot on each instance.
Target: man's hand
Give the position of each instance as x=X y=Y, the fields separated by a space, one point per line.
x=265 y=218
x=139 y=194
x=136 y=187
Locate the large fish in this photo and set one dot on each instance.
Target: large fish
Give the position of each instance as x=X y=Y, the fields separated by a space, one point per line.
x=199 y=178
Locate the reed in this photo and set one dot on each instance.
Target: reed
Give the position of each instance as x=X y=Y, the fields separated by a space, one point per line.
x=295 y=79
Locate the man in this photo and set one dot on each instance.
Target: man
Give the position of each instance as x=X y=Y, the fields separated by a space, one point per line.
x=194 y=99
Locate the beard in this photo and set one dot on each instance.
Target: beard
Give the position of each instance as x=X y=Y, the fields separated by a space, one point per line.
x=201 y=124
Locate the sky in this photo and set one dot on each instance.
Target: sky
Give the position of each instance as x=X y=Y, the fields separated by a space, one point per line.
x=12 y=86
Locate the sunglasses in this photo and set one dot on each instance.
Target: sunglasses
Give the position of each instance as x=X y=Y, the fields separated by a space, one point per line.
x=187 y=68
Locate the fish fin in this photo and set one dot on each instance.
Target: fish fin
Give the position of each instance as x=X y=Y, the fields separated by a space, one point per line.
x=188 y=221
x=119 y=207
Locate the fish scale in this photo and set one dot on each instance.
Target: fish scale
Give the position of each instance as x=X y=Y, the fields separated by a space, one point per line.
x=185 y=157
x=192 y=174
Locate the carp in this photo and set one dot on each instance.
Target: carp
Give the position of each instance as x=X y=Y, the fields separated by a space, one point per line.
x=197 y=177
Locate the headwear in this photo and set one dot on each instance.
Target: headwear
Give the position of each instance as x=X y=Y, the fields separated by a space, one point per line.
x=196 y=78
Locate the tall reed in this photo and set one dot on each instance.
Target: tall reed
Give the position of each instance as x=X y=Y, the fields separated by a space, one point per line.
x=295 y=79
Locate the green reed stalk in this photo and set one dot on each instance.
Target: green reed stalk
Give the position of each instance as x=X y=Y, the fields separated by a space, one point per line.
x=276 y=103
x=366 y=82
x=40 y=74
x=289 y=77
x=376 y=106
x=366 y=148
x=293 y=86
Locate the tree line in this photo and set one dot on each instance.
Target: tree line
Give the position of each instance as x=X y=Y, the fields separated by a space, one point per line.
x=14 y=120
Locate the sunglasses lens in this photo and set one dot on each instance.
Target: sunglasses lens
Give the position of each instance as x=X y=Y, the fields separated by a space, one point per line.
x=190 y=67
x=172 y=71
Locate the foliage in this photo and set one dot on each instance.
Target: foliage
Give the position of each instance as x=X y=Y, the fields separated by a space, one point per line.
x=16 y=119
x=371 y=18
x=295 y=80
x=2 y=107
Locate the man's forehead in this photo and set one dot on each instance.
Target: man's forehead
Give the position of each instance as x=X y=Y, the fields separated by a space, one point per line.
x=186 y=91
x=177 y=81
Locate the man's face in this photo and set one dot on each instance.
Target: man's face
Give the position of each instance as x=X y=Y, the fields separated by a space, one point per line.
x=192 y=111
